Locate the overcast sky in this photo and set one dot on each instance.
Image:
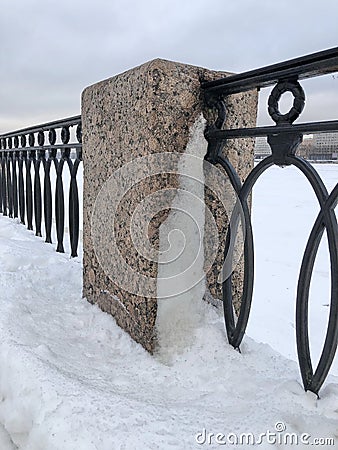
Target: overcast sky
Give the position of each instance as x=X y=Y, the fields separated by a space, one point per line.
x=51 y=50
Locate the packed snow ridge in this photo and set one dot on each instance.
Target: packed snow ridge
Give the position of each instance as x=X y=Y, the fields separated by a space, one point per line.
x=70 y=378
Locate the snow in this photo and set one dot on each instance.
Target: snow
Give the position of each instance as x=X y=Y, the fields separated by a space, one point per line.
x=283 y=216
x=70 y=378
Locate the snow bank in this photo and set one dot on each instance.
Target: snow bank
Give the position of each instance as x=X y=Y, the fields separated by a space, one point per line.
x=70 y=378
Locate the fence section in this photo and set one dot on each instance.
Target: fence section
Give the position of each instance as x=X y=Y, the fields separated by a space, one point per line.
x=284 y=139
x=29 y=191
x=28 y=185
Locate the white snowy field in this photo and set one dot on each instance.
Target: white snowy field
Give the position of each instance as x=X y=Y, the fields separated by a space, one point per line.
x=285 y=208
x=70 y=378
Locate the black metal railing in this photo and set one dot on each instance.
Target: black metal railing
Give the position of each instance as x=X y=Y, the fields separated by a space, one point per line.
x=26 y=191
x=284 y=139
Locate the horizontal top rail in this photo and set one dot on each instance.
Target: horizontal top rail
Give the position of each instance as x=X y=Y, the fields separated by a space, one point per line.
x=48 y=135
x=308 y=66
x=306 y=128
x=67 y=122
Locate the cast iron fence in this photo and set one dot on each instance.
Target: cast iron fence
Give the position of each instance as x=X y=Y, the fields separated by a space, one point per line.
x=283 y=138
x=22 y=154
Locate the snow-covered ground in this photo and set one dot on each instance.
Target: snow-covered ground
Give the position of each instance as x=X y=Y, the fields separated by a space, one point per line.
x=285 y=208
x=70 y=378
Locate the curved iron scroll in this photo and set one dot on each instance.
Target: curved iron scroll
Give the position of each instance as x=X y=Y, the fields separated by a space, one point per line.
x=284 y=144
x=326 y=219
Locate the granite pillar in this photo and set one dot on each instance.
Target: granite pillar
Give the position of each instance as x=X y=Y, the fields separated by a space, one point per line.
x=127 y=121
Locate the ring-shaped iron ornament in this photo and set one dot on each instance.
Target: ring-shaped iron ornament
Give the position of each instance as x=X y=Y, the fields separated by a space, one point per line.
x=10 y=143
x=16 y=141
x=79 y=133
x=31 y=139
x=52 y=136
x=298 y=103
x=65 y=135
x=23 y=140
x=41 y=138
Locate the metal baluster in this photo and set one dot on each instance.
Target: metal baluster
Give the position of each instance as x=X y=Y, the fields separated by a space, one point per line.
x=37 y=185
x=29 y=191
x=4 y=183
x=47 y=192
x=2 y=146
x=59 y=194
x=59 y=205
x=9 y=159
x=22 y=158
x=15 y=178
x=74 y=225
x=0 y=185
x=66 y=155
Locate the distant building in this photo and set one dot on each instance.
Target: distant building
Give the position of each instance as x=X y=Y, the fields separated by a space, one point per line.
x=319 y=147
x=306 y=147
x=325 y=146
x=262 y=148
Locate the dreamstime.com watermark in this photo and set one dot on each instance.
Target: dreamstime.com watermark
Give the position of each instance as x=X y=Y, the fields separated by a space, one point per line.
x=277 y=437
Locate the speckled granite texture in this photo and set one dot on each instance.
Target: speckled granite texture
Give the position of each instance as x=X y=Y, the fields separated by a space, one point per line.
x=140 y=112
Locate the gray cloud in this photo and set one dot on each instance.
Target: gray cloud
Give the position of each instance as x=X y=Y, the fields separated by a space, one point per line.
x=51 y=50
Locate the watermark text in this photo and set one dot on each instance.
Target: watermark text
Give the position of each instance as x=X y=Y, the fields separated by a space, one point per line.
x=278 y=436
